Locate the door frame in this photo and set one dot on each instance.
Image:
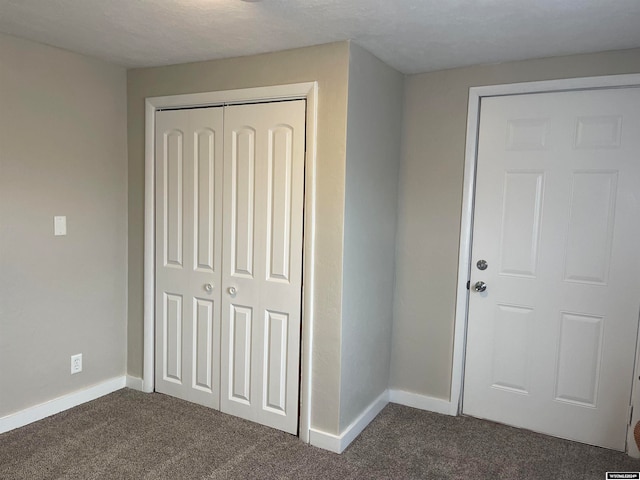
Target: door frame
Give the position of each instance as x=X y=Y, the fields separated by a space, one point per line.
x=298 y=91
x=476 y=94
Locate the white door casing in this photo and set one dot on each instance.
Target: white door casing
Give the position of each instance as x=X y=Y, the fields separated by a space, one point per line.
x=551 y=343
x=189 y=148
x=262 y=262
x=305 y=90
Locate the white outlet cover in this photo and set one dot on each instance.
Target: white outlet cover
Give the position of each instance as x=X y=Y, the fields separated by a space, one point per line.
x=76 y=363
x=59 y=225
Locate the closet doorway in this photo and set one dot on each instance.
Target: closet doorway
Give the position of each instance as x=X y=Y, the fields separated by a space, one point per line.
x=229 y=209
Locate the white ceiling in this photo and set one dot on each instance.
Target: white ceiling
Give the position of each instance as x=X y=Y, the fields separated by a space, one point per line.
x=410 y=35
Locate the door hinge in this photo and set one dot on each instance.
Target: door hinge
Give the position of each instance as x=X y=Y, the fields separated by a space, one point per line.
x=630 y=414
x=468 y=284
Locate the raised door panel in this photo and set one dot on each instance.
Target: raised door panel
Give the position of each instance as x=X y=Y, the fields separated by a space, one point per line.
x=239 y=372
x=204 y=195
x=511 y=337
x=521 y=219
x=579 y=358
x=590 y=230
x=172 y=165
x=526 y=134
x=274 y=382
x=242 y=201
x=204 y=350
x=599 y=131
x=172 y=329
x=279 y=189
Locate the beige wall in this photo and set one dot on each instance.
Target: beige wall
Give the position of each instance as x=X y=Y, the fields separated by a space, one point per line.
x=62 y=152
x=327 y=64
x=374 y=124
x=430 y=198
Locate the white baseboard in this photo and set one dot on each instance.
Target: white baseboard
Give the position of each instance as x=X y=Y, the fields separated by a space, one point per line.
x=423 y=402
x=338 y=443
x=134 y=383
x=57 y=405
x=324 y=440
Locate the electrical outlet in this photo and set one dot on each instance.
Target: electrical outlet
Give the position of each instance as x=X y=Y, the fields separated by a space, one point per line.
x=76 y=363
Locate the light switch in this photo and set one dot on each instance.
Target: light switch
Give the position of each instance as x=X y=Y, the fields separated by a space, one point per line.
x=59 y=226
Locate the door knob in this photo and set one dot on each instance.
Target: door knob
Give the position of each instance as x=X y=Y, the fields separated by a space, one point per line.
x=479 y=286
x=232 y=291
x=208 y=287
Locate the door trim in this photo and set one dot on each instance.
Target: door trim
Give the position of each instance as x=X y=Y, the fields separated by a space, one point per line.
x=464 y=256
x=298 y=91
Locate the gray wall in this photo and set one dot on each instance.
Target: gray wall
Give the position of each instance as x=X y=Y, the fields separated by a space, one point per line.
x=373 y=156
x=328 y=64
x=431 y=179
x=62 y=152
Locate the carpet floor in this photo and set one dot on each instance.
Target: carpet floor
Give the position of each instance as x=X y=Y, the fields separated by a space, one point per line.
x=132 y=435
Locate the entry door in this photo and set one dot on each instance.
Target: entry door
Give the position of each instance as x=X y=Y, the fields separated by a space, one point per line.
x=189 y=151
x=262 y=264
x=551 y=341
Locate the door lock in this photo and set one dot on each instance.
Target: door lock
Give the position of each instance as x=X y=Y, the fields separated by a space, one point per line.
x=479 y=286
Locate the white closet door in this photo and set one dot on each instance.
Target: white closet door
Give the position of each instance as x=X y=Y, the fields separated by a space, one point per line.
x=189 y=161
x=262 y=262
x=551 y=342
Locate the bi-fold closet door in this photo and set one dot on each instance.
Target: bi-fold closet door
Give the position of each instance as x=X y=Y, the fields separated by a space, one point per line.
x=229 y=218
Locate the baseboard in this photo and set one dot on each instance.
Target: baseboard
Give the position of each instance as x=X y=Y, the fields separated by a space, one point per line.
x=423 y=402
x=134 y=383
x=57 y=405
x=324 y=440
x=338 y=443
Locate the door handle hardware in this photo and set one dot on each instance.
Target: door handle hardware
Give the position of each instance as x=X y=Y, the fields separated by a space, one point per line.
x=482 y=264
x=208 y=287
x=232 y=291
x=479 y=286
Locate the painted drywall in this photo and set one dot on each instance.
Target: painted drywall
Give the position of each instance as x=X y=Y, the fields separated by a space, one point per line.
x=430 y=199
x=326 y=64
x=62 y=152
x=374 y=122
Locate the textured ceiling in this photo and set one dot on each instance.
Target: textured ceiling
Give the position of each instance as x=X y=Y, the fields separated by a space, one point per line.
x=410 y=35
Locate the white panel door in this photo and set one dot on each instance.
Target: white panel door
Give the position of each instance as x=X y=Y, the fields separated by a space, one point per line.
x=262 y=262
x=551 y=342
x=189 y=161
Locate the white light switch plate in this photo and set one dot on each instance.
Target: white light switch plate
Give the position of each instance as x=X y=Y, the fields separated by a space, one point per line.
x=59 y=226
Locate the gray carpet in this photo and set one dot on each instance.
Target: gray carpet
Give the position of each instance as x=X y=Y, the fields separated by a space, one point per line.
x=131 y=435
